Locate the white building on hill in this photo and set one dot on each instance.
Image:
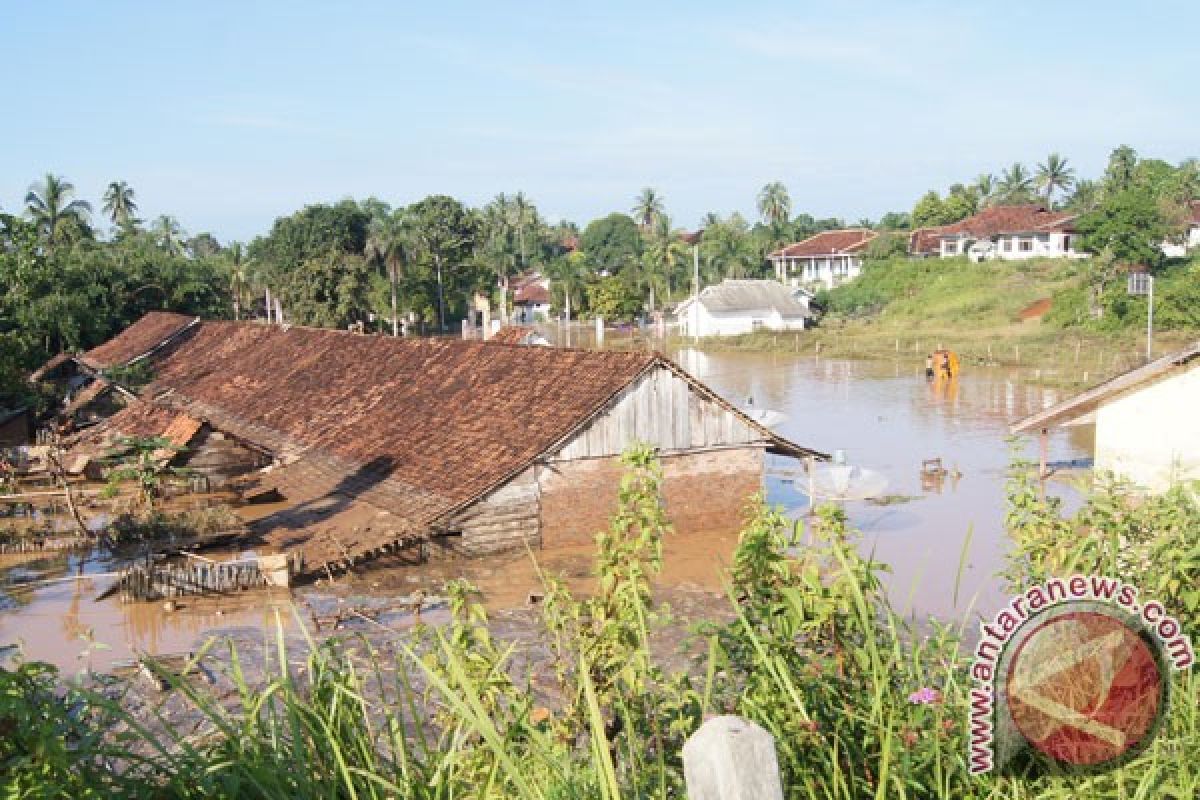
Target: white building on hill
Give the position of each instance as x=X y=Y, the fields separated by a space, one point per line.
x=827 y=259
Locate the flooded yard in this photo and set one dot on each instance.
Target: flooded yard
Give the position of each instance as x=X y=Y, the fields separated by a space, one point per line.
x=887 y=417
x=884 y=417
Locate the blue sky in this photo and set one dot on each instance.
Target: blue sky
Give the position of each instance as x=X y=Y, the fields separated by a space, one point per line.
x=228 y=115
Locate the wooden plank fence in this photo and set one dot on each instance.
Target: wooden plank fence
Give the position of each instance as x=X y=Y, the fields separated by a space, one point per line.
x=151 y=581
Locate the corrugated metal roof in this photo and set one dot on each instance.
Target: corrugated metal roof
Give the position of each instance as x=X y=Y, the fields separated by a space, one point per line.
x=751 y=295
x=1086 y=402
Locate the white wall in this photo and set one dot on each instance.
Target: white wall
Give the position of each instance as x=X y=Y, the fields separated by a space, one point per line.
x=1043 y=245
x=1153 y=435
x=1173 y=250
x=733 y=323
x=827 y=271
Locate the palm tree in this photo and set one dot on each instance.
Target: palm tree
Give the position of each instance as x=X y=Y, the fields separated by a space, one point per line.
x=53 y=211
x=774 y=204
x=1054 y=175
x=647 y=208
x=1085 y=197
x=1121 y=165
x=985 y=187
x=168 y=234
x=119 y=203
x=1016 y=184
x=239 y=275
x=523 y=215
x=387 y=245
x=566 y=272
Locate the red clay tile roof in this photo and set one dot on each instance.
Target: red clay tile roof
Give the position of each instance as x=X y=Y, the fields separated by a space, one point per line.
x=532 y=294
x=1196 y=212
x=85 y=397
x=1011 y=219
x=511 y=334
x=138 y=339
x=828 y=243
x=46 y=369
x=419 y=428
x=925 y=241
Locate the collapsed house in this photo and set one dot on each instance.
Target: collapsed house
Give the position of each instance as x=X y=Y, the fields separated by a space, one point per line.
x=374 y=443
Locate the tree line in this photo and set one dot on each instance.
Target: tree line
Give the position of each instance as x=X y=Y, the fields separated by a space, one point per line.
x=72 y=277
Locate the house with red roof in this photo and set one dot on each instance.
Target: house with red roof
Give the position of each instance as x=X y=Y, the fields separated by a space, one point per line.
x=1012 y=233
x=1189 y=239
x=531 y=297
x=829 y=258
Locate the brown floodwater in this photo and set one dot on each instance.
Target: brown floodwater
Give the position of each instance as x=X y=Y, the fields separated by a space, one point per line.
x=883 y=416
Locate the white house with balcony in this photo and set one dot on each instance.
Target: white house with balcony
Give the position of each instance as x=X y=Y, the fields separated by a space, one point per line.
x=1012 y=233
x=735 y=307
x=827 y=259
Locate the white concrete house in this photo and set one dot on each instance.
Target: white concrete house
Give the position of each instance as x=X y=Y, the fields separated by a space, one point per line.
x=1190 y=238
x=1012 y=233
x=1147 y=421
x=734 y=307
x=827 y=259
x=531 y=297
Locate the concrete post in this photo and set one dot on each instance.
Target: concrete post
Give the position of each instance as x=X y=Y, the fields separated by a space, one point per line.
x=599 y=330
x=730 y=758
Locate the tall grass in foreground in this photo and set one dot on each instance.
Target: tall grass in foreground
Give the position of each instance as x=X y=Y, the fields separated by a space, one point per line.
x=861 y=705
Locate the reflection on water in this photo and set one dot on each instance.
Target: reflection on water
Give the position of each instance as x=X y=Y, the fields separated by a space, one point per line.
x=887 y=417
x=59 y=619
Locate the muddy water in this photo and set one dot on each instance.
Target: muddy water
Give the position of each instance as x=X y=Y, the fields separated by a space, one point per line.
x=59 y=619
x=884 y=416
x=887 y=417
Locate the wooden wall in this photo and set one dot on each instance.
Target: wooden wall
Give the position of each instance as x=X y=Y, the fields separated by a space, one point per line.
x=663 y=411
x=220 y=458
x=502 y=520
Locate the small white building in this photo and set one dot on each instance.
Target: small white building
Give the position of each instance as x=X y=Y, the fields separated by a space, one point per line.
x=827 y=259
x=1146 y=421
x=734 y=307
x=1012 y=233
x=531 y=297
x=1190 y=238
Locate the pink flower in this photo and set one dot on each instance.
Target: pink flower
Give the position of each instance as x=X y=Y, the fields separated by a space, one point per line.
x=925 y=696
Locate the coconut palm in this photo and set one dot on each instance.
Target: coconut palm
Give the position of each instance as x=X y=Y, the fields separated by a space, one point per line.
x=647 y=208
x=387 y=246
x=985 y=188
x=168 y=234
x=119 y=203
x=51 y=208
x=1055 y=174
x=1016 y=184
x=774 y=204
x=1085 y=197
x=238 y=264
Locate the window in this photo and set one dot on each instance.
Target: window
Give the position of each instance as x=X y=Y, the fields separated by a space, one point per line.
x=1066 y=241
x=1006 y=245
x=1025 y=245
x=757 y=324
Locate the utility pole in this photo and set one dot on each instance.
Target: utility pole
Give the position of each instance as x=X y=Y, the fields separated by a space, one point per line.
x=696 y=285
x=1150 y=320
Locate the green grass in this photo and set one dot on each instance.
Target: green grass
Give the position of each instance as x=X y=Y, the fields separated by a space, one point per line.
x=814 y=654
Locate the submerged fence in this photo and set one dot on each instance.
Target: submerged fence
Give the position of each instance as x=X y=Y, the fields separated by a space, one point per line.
x=150 y=581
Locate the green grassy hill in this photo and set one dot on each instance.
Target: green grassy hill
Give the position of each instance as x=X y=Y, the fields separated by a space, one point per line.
x=905 y=308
